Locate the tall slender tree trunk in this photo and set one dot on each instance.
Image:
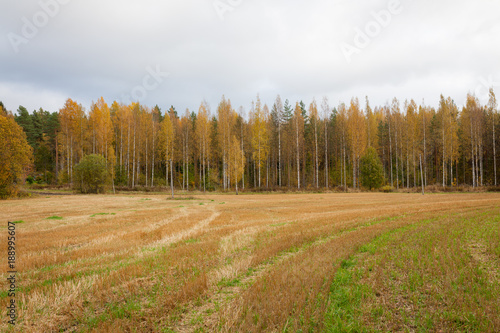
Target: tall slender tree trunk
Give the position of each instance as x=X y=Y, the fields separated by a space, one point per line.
x=133 y=163
x=138 y=169
x=166 y=165
x=298 y=154
x=128 y=155
x=279 y=152
x=236 y=174
x=397 y=157
x=472 y=156
x=414 y=167
x=146 y=153
x=422 y=176
x=353 y=171
x=451 y=153
x=494 y=149
x=57 y=159
x=172 y=178
x=67 y=153
x=390 y=151
x=341 y=162
x=407 y=166
x=242 y=157
x=267 y=173
x=326 y=154
x=121 y=149
x=444 y=145
x=72 y=160
x=254 y=174
x=153 y=162
x=260 y=163
x=316 y=151
x=477 y=165
x=402 y=158
x=289 y=167
x=425 y=148
x=345 y=167
x=481 y=160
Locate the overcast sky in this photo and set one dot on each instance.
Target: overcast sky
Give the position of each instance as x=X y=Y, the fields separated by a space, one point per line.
x=51 y=50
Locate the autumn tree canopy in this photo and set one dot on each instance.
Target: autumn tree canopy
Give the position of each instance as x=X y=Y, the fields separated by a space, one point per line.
x=285 y=145
x=16 y=155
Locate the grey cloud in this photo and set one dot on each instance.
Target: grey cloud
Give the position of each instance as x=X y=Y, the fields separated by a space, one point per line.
x=102 y=48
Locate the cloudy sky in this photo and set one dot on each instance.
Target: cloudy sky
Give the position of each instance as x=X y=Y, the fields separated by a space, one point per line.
x=180 y=52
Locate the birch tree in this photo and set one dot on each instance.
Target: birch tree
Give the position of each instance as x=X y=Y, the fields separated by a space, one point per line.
x=260 y=137
x=357 y=137
x=236 y=165
x=313 y=115
x=326 y=119
x=298 y=127
x=492 y=109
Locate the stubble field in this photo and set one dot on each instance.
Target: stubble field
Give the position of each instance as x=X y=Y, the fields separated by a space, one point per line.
x=252 y=263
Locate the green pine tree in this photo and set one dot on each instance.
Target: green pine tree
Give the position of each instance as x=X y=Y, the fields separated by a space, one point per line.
x=371 y=169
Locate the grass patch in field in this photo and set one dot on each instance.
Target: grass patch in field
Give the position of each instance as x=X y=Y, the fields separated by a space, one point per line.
x=102 y=214
x=18 y=222
x=279 y=224
x=345 y=298
x=225 y=282
x=422 y=276
x=182 y=198
x=54 y=218
x=347 y=291
x=125 y=310
x=115 y=311
x=197 y=320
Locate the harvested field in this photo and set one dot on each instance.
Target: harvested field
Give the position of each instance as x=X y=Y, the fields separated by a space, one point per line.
x=251 y=263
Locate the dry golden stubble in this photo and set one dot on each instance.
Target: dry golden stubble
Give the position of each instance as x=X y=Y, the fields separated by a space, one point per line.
x=119 y=253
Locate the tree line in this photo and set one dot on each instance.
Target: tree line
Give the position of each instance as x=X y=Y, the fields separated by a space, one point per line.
x=283 y=145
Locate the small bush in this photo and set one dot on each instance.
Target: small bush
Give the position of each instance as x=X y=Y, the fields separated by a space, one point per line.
x=340 y=189
x=387 y=189
x=371 y=170
x=91 y=174
x=493 y=189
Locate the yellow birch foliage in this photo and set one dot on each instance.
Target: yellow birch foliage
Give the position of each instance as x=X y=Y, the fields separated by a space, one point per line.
x=16 y=155
x=203 y=132
x=260 y=137
x=166 y=139
x=100 y=119
x=236 y=161
x=356 y=127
